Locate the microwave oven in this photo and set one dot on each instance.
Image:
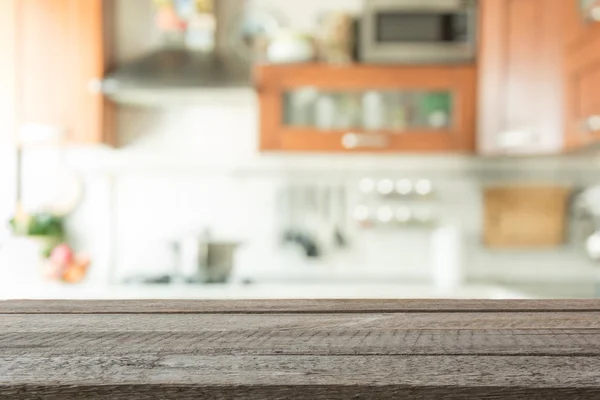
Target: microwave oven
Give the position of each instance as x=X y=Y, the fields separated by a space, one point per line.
x=419 y=31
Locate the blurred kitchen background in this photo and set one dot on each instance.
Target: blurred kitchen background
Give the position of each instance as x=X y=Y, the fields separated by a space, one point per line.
x=299 y=148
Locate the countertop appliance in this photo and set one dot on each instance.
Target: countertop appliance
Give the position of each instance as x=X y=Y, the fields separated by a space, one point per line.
x=204 y=260
x=419 y=31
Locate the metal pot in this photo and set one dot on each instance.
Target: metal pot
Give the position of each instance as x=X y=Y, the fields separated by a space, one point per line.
x=202 y=260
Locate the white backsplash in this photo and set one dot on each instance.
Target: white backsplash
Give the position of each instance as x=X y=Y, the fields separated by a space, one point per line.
x=183 y=170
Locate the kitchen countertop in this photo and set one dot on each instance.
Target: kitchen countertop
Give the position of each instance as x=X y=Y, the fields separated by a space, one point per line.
x=353 y=349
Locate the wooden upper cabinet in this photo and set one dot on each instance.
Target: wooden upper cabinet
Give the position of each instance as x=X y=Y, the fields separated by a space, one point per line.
x=60 y=63
x=8 y=88
x=520 y=72
x=360 y=108
x=582 y=83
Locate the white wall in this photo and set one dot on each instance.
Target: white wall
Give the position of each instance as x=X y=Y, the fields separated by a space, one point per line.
x=304 y=14
x=7 y=182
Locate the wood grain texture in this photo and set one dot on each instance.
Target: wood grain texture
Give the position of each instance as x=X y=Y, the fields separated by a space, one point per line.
x=307 y=392
x=289 y=306
x=316 y=342
x=293 y=322
x=415 y=349
x=298 y=370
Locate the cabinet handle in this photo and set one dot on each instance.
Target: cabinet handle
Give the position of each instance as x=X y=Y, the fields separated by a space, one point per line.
x=594 y=14
x=94 y=86
x=592 y=124
x=518 y=138
x=353 y=141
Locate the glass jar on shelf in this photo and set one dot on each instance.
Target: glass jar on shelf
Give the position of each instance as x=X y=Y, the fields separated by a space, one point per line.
x=373 y=111
x=326 y=112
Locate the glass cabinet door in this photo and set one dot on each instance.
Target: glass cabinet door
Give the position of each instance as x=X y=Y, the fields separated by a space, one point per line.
x=389 y=111
x=419 y=109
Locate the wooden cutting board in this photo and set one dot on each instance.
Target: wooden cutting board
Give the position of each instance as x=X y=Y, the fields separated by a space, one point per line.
x=525 y=216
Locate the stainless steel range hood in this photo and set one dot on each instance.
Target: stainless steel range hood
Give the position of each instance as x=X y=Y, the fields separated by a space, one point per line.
x=173 y=74
x=172 y=68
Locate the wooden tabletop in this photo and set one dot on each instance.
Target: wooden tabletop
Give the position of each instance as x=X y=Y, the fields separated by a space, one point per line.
x=415 y=349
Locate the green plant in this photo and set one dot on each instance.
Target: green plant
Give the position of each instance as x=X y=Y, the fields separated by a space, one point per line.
x=48 y=229
x=40 y=225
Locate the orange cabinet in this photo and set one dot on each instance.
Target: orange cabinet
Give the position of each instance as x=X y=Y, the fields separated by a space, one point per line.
x=8 y=51
x=582 y=21
x=583 y=74
x=60 y=61
x=520 y=74
x=360 y=108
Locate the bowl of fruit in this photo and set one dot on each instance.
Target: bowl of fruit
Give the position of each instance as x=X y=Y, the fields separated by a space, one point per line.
x=64 y=265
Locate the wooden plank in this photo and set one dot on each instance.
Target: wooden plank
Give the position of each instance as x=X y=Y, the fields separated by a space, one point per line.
x=270 y=349
x=291 y=323
x=354 y=375
x=316 y=342
x=292 y=306
x=309 y=392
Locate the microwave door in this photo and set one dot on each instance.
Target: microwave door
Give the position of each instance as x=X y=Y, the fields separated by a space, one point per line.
x=417 y=34
x=422 y=28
